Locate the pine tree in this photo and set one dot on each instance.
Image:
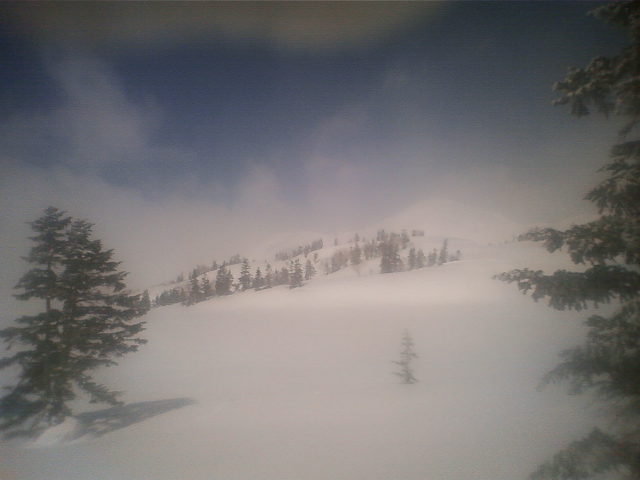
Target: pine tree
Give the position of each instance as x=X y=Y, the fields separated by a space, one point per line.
x=245 y=276
x=258 y=280
x=355 y=256
x=309 y=270
x=145 y=302
x=404 y=240
x=195 y=293
x=443 y=256
x=206 y=288
x=412 y=259
x=608 y=363
x=390 y=261
x=88 y=319
x=268 y=276
x=407 y=355
x=224 y=280
x=283 y=278
x=420 y=259
x=295 y=274
x=432 y=259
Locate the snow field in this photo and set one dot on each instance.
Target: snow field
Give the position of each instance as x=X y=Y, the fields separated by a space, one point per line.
x=298 y=384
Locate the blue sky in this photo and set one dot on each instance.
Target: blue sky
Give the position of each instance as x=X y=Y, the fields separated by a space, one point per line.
x=291 y=115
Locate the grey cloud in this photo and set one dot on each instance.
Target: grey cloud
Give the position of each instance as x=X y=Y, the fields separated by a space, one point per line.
x=287 y=25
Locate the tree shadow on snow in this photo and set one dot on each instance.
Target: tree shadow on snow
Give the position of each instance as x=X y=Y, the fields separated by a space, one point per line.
x=101 y=422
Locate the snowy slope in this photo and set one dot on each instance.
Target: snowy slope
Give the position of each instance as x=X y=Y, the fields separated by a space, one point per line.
x=298 y=384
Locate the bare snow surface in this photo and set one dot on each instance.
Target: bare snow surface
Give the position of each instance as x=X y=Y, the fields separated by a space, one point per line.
x=298 y=385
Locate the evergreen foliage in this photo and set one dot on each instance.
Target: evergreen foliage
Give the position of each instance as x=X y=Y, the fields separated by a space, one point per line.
x=224 y=281
x=268 y=276
x=443 y=256
x=145 y=302
x=88 y=320
x=390 y=260
x=412 y=259
x=432 y=258
x=295 y=274
x=608 y=364
x=309 y=270
x=245 y=276
x=407 y=355
x=206 y=289
x=195 y=293
x=258 y=280
x=355 y=255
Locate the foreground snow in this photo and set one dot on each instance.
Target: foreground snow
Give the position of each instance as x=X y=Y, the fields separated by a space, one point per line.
x=297 y=384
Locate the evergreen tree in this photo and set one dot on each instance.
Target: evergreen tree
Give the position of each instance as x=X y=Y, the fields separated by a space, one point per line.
x=421 y=260
x=608 y=363
x=390 y=261
x=258 y=280
x=339 y=260
x=268 y=276
x=224 y=280
x=407 y=355
x=206 y=288
x=145 y=302
x=295 y=274
x=355 y=256
x=309 y=270
x=195 y=293
x=245 y=276
x=88 y=319
x=283 y=277
x=432 y=259
x=404 y=240
x=412 y=259
x=443 y=256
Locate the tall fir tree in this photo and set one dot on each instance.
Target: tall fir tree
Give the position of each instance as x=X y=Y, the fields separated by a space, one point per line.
x=608 y=363
x=421 y=260
x=195 y=292
x=245 y=276
x=88 y=320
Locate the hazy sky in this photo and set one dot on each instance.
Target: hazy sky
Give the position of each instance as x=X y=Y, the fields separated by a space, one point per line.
x=187 y=131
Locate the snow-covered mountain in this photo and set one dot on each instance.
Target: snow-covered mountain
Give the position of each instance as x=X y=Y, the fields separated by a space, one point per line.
x=298 y=384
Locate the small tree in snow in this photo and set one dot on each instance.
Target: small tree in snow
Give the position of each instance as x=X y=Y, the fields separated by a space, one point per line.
x=309 y=270
x=407 y=355
x=443 y=256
